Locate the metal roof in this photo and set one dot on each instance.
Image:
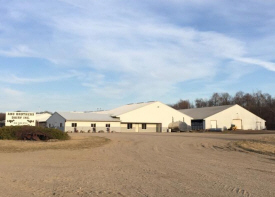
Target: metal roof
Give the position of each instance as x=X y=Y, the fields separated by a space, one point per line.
x=125 y=108
x=92 y=117
x=43 y=117
x=202 y=113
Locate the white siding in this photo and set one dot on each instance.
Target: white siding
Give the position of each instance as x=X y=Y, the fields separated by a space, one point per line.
x=213 y=124
x=138 y=128
x=55 y=120
x=154 y=113
x=86 y=126
x=225 y=119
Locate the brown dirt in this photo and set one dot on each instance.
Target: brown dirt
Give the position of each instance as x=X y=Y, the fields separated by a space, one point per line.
x=142 y=164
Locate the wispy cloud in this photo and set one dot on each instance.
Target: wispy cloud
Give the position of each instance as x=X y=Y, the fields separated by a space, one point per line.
x=18 y=51
x=10 y=78
x=11 y=92
x=267 y=65
x=147 y=48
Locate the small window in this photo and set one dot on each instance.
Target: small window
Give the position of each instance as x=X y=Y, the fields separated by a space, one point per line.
x=144 y=126
x=50 y=125
x=129 y=126
x=93 y=125
x=61 y=125
x=108 y=125
x=74 y=124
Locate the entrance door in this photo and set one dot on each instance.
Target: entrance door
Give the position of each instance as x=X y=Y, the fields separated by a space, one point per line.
x=158 y=126
x=237 y=123
x=136 y=127
x=258 y=125
x=213 y=124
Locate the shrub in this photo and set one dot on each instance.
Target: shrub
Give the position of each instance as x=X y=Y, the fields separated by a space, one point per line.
x=20 y=132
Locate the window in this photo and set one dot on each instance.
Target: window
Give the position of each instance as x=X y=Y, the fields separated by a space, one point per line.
x=93 y=125
x=61 y=125
x=74 y=124
x=144 y=126
x=108 y=125
x=129 y=126
x=50 y=125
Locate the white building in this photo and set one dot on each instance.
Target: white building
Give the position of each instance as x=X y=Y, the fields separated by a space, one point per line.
x=41 y=119
x=139 y=117
x=83 y=122
x=222 y=117
x=148 y=117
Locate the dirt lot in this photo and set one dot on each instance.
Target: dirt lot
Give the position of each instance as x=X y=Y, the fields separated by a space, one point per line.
x=143 y=164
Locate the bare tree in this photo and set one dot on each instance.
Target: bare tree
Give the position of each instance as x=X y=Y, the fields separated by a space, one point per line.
x=2 y=116
x=225 y=99
x=182 y=104
x=261 y=104
x=238 y=98
x=215 y=99
x=201 y=103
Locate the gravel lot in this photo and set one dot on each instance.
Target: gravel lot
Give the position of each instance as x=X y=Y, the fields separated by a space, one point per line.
x=142 y=164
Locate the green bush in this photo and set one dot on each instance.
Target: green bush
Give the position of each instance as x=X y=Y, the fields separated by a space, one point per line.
x=19 y=132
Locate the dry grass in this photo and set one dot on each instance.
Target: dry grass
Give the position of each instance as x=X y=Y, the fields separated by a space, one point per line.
x=263 y=146
x=248 y=132
x=76 y=142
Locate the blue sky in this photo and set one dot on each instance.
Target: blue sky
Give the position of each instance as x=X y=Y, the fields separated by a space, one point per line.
x=63 y=55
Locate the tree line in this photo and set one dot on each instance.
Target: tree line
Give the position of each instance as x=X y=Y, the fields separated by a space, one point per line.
x=2 y=116
x=261 y=104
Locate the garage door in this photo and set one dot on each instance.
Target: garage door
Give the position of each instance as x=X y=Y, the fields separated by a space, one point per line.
x=237 y=123
x=213 y=124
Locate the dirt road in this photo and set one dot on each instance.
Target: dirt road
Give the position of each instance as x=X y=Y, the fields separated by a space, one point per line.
x=156 y=164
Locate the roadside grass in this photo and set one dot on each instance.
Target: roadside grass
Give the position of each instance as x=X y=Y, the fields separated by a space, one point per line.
x=76 y=142
x=264 y=146
x=248 y=132
x=235 y=132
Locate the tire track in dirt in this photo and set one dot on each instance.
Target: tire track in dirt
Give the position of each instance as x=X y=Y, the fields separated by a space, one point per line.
x=237 y=190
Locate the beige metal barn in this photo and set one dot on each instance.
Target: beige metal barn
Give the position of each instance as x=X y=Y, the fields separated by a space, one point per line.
x=83 y=122
x=148 y=117
x=222 y=117
x=139 y=117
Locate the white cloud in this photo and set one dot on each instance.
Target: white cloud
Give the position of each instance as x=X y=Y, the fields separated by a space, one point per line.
x=149 y=54
x=11 y=99
x=267 y=65
x=11 y=92
x=18 y=51
x=10 y=78
x=127 y=48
